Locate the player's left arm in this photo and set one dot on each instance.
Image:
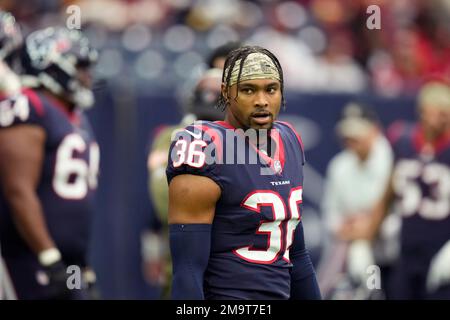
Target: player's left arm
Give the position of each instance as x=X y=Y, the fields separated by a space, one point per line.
x=304 y=284
x=21 y=149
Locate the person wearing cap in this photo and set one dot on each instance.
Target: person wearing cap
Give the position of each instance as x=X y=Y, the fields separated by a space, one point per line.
x=420 y=187
x=201 y=105
x=198 y=103
x=217 y=58
x=355 y=180
x=235 y=193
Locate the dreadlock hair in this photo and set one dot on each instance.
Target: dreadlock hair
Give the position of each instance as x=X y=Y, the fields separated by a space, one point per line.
x=242 y=53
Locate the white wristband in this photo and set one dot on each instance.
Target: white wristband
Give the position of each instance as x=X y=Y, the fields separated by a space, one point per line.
x=49 y=256
x=152 y=246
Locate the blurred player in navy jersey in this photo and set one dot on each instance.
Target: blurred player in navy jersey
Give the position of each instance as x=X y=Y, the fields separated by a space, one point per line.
x=48 y=167
x=235 y=224
x=10 y=40
x=217 y=58
x=420 y=186
x=200 y=106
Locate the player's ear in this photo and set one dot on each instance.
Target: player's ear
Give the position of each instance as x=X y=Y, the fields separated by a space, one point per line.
x=224 y=92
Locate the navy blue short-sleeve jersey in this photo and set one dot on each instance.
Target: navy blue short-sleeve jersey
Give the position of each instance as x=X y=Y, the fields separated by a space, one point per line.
x=421 y=184
x=68 y=177
x=258 y=210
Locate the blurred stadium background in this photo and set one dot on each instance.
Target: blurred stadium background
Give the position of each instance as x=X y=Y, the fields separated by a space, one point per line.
x=151 y=52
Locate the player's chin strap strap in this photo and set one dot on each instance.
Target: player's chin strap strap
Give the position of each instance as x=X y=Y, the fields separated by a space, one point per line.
x=303 y=277
x=190 y=246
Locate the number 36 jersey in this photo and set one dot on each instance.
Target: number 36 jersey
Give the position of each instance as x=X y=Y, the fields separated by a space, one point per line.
x=259 y=207
x=68 y=176
x=421 y=183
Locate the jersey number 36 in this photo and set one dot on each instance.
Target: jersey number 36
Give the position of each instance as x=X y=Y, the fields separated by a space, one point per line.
x=277 y=239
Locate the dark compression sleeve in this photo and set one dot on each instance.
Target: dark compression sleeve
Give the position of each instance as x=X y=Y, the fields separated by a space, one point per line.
x=190 y=246
x=303 y=277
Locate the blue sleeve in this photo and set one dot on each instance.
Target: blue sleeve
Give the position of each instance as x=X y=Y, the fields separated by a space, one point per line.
x=304 y=284
x=24 y=108
x=194 y=151
x=190 y=246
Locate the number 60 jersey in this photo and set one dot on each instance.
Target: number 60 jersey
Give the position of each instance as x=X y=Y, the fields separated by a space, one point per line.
x=68 y=177
x=259 y=207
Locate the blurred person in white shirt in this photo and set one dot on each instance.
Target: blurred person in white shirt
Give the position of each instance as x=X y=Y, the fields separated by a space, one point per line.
x=420 y=190
x=356 y=178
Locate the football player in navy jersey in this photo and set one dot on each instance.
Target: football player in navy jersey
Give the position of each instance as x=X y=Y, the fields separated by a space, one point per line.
x=48 y=167
x=420 y=189
x=10 y=41
x=235 y=193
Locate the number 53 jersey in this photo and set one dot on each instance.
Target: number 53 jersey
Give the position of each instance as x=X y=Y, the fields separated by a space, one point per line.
x=259 y=207
x=421 y=182
x=68 y=176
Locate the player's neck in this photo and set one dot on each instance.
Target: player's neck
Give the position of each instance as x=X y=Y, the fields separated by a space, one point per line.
x=232 y=121
x=62 y=102
x=266 y=144
x=262 y=140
